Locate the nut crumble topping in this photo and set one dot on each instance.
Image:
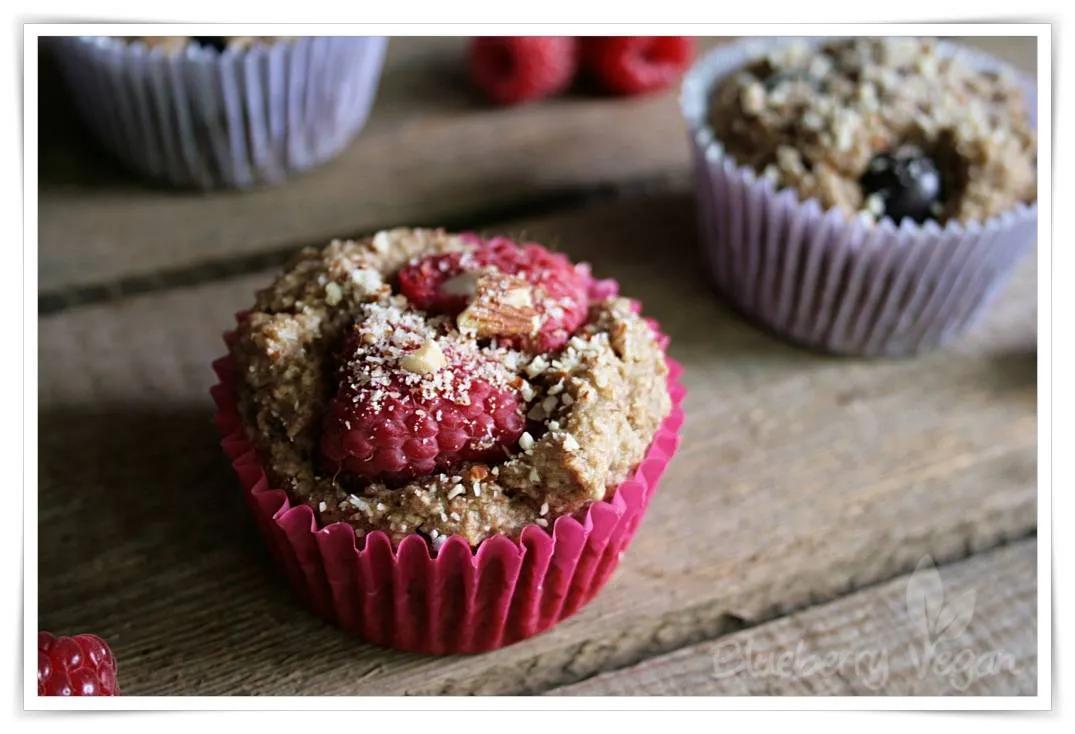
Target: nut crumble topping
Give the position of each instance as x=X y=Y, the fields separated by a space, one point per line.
x=814 y=118
x=593 y=406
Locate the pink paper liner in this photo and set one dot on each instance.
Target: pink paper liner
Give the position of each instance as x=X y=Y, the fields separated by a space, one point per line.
x=459 y=600
x=829 y=281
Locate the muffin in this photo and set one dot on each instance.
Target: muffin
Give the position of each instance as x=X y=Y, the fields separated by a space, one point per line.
x=865 y=196
x=179 y=44
x=222 y=111
x=468 y=428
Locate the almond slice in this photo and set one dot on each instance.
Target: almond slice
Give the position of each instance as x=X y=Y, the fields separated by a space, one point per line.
x=503 y=305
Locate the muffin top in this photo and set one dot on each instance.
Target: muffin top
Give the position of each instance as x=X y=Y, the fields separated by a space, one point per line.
x=881 y=127
x=425 y=382
x=177 y=44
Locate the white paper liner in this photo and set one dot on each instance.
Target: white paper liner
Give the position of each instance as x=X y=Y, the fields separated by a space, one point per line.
x=236 y=118
x=833 y=282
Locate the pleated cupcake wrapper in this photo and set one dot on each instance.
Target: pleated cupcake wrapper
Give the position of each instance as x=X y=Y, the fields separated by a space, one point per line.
x=235 y=118
x=833 y=282
x=456 y=600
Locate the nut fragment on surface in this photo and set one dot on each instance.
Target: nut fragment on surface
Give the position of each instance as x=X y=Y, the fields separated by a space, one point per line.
x=367 y=280
x=526 y=441
x=425 y=360
x=518 y=297
x=502 y=306
x=382 y=242
x=333 y=294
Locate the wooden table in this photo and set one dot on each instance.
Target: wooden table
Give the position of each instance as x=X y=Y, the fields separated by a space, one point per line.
x=807 y=490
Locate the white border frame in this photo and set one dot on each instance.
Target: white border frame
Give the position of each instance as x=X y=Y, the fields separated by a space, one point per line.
x=1041 y=701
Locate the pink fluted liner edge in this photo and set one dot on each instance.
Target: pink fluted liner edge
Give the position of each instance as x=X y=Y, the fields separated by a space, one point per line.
x=458 y=600
x=827 y=281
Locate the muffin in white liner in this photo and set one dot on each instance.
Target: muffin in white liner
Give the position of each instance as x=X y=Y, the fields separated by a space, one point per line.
x=828 y=280
x=240 y=117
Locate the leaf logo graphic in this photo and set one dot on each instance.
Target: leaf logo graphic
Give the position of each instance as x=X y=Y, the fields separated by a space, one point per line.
x=933 y=619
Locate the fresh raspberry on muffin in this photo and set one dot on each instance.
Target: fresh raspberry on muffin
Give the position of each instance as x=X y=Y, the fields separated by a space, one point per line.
x=513 y=69
x=82 y=665
x=391 y=428
x=636 y=64
x=539 y=297
x=472 y=388
x=412 y=400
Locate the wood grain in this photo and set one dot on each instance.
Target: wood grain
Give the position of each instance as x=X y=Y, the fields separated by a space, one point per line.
x=802 y=477
x=866 y=643
x=432 y=153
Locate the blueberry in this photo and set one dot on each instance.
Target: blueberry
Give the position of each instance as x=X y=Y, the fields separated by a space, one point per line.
x=215 y=42
x=907 y=181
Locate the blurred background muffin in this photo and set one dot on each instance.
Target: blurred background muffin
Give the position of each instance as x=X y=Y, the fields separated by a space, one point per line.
x=862 y=196
x=885 y=127
x=222 y=111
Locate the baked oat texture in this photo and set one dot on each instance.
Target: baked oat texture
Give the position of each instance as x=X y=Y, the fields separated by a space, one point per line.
x=812 y=118
x=592 y=407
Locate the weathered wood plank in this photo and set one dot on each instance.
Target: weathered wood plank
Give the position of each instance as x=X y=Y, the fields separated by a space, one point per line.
x=801 y=478
x=431 y=153
x=871 y=642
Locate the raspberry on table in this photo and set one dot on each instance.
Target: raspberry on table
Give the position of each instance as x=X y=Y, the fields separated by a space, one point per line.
x=82 y=665
x=410 y=402
x=558 y=297
x=514 y=69
x=636 y=64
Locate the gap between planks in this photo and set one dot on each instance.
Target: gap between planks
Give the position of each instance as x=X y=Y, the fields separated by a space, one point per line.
x=874 y=641
x=862 y=465
x=544 y=203
x=432 y=153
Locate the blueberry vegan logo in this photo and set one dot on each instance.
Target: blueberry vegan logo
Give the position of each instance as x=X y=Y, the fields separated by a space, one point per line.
x=932 y=659
x=939 y=624
x=935 y=621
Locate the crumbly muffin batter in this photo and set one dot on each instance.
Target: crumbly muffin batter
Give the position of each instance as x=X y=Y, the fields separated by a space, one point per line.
x=881 y=127
x=592 y=407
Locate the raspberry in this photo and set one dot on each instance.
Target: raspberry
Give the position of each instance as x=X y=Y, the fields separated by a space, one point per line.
x=75 y=666
x=410 y=403
x=560 y=290
x=636 y=64
x=515 y=69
